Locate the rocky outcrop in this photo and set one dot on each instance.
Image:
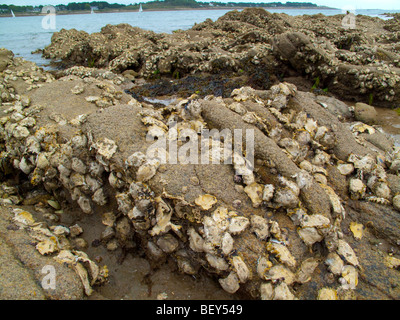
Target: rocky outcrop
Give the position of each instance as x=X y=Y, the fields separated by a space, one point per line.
x=360 y=64
x=23 y=269
x=299 y=223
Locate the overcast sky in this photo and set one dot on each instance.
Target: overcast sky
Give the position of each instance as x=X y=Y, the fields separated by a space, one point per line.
x=358 y=4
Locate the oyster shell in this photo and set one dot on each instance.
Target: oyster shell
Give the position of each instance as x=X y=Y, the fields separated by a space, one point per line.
x=282 y=292
x=268 y=192
x=345 y=168
x=356 y=229
x=85 y=205
x=255 y=192
x=357 y=188
x=306 y=270
x=23 y=217
x=382 y=190
x=163 y=219
x=335 y=201
x=349 y=278
x=241 y=269
x=147 y=170
x=231 y=283
x=392 y=262
x=238 y=225
x=212 y=232
x=286 y=198
x=47 y=246
x=217 y=262
x=106 y=148
x=185 y=266
x=167 y=243
x=396 y=202
x=335 y=263
x=282 y=253
x=227 y=243
x=309 y=235
x=263 y=265
x=327 y=294
x=314 y=221
x=205 y=201
x=266 y=291
x=260 y=227
x=196 y=242
x=344 y=250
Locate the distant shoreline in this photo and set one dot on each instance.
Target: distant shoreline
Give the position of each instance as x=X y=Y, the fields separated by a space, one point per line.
x=32 y=14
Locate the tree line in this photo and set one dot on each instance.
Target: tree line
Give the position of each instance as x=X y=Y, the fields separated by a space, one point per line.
x=103 y=5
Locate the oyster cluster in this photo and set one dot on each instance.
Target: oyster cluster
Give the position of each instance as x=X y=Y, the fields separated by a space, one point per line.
x=55 y=241
x=240 y=236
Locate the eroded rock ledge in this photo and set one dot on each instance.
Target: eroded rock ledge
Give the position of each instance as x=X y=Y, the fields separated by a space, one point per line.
x=360 y=64
x=317 y=218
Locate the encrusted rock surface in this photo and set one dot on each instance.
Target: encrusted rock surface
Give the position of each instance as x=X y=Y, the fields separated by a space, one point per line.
x=360 y=64
x=283 y=229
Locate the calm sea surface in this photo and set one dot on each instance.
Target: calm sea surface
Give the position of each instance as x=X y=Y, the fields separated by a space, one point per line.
x=23 y=35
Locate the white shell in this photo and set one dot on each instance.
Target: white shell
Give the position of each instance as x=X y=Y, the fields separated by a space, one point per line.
x=260 y=227
x=254 y=191
x=344 y=250
x=349 y=277
x=314 y=220
x=84 y=204
x=212 y=233
x=268 y=192
x=227 y=243
x=306 y=270
x=357 y=188
x=382 y=190
x=263 y=266
x=205 y=201
x=146 y=171
x=106 y=148
x=282 y=292
x=309 y=235
x=78 y=166
x=291 y=146
x=345 y=168
x=279 y=272
x=241 y=269
x=99 y=197
x=286 y=198
x=217 y=262
x=282 y=252
x=303 y=179
x=231 y=283
x=396 y=202
x=136 y=159
x=290 y=184
x=196 y=242
x=334 y=263
x=266 y=291
x=238 y=224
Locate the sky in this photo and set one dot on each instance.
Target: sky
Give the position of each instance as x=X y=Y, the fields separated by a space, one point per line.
x=358 y=4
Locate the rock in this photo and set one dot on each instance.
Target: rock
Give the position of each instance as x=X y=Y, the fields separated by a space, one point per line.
x=203 y=216
x=25 y=266
x=365 y=113
x=108 y=234
x=5 y=58
x=396 y=202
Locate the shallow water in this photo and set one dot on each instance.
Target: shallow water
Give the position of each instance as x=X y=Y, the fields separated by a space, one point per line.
x=389 y=120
